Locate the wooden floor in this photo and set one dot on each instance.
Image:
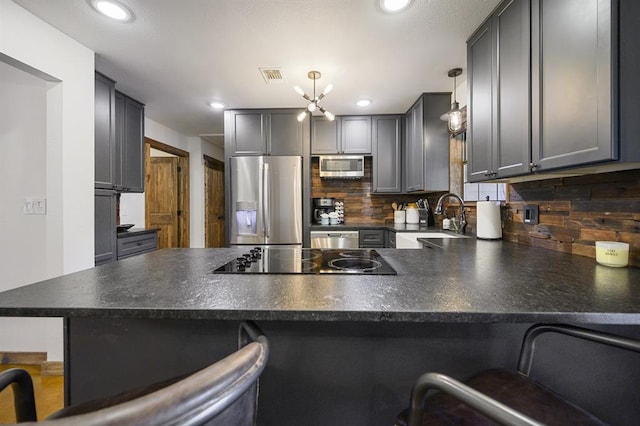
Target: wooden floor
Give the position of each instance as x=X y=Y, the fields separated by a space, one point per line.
x=48 y=389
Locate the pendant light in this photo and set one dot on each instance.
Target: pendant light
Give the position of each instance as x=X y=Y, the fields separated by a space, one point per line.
x=313 y=101
x=454 y=116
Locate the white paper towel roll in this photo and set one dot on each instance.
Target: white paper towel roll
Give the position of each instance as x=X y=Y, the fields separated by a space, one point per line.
x=489 y=225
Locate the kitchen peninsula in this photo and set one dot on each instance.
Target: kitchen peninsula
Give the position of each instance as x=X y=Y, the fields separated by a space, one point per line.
x=345 y=348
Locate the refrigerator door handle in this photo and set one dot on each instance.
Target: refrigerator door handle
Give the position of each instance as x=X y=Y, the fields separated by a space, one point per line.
x=265 y=200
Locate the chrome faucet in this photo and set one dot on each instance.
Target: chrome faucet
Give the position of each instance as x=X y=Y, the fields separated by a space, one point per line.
x=460 y=227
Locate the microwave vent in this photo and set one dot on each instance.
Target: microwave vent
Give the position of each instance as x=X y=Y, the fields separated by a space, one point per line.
x=341 y=177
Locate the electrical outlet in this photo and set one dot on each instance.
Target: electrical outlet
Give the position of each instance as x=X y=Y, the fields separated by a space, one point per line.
x=530 y=214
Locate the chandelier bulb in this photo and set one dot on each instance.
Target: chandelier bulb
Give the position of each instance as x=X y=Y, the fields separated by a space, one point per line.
x=329 y=116
x=312 y=106
x=328 y=89
x=301 y=116
x=298 y=90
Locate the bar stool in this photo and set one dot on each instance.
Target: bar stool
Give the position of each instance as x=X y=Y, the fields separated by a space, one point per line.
x=223 y=393
x=505 y=397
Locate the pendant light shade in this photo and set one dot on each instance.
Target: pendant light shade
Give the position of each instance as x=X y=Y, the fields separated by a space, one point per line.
x=453 y=117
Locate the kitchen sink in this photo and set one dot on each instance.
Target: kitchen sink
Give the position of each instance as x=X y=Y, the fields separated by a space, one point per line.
x=441 y=235
x=409 y=240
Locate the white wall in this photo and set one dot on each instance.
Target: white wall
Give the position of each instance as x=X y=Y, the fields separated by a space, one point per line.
x=23 y=169
x=198 y=148
x=65 y=147
x=461 y=94
x=132 y=205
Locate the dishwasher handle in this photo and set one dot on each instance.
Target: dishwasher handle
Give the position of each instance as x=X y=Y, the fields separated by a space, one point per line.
x=342 y=235
x=329 y=239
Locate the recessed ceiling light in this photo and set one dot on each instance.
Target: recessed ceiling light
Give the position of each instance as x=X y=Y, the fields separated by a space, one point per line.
x=394 y=6
x=216 y=105
x=112 y=9
x=363 y=102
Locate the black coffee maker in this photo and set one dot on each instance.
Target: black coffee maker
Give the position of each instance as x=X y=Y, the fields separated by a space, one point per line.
x=322 y=206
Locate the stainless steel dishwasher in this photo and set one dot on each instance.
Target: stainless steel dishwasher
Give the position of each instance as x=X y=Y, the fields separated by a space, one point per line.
x=335 y=239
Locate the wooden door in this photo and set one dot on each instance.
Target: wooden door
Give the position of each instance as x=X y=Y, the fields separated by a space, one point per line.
x=162 y=200
x=214 y=203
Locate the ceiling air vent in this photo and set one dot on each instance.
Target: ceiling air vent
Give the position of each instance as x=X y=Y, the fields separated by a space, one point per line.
x=271 y=75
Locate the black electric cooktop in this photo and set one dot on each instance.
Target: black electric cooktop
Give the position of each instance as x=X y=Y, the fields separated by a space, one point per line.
x=277 y=260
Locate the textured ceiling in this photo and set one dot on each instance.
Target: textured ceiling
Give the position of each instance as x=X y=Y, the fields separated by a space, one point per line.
x=177 y=56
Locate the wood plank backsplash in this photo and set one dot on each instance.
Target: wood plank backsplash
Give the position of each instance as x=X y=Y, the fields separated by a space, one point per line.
x=360 y=204
x=574 y=212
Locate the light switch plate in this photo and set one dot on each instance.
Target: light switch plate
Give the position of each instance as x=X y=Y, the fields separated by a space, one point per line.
x=35 y=206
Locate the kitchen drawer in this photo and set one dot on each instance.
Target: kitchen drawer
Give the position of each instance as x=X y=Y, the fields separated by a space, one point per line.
x=372 y=238
x=133 y=245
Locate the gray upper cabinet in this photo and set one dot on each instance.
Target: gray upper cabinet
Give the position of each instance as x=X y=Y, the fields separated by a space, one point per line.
x=129 y=144
x=387 y=150
x=479 y=113
x=119 y=139
x=355 y=135
x=286 y=133
x=105 y=132
x=413 y=164
x=344 y=135
x=572 y=47
x=499 y=136
x=265 y=132
x=426 y=152
x=324 y=136
x=568 y=101
x=247 y=132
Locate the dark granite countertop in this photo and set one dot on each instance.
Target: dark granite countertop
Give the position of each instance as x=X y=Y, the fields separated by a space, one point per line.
x=453 y=280
x=397 y=227
x=136 y=231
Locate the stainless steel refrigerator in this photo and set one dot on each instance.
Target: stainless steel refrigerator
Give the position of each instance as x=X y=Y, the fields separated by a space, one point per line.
x=266 y=200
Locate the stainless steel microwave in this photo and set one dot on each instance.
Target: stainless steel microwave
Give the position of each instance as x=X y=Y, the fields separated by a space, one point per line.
x=342 y=166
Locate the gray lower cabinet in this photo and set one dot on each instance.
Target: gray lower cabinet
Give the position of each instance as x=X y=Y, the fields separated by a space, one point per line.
x=371 y=238
x=129 y=144
x=387 y=153
x=105 y=226
x=390 y=239
x=344 y=135
x=105 y=132
x=133 y=243
x=265 y=132
x=499 y=135
x=426 y=153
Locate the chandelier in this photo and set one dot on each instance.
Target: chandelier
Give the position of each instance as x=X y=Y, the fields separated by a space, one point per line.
x=313 y=101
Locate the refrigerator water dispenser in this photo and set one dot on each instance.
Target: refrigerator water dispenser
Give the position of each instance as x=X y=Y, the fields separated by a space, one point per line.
x=246 y=217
